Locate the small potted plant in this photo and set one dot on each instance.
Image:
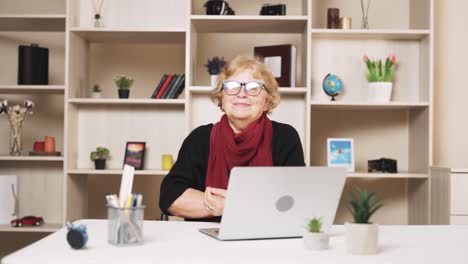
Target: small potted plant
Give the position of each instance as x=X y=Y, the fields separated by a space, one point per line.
x=362 y=236
x=123 y=84
x=214 y=68
x=315 y=239
x=96 y=92
x=380 y=77
x=99 y=157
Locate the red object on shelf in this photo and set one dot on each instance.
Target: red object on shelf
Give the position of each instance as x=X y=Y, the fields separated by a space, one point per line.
x=49 y=144
x=27 y=221
x=38 y=146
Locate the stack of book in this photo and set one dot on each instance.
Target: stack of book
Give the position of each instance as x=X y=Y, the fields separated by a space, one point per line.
x=170 y=86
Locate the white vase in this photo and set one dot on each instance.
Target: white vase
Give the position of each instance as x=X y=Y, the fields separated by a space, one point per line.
x=379 y=91
x=316 y=241
x=214 y=80
x=96 y=95
x=362 y=239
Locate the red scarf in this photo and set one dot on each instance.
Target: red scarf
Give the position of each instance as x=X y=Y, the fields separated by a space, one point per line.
x=251 y=147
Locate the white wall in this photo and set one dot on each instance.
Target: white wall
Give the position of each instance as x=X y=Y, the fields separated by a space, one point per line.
x=451 y=88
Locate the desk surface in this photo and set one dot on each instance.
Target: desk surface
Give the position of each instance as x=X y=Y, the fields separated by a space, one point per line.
x=180 y=242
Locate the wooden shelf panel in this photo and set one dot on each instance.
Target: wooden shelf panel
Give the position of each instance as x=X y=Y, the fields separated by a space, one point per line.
x=90 y=101
x=249 y=24
x=282 y=90
x=32 y=22
x=402 y=175
x=45 y=228
x=360 y=34
x=31 y=158
x=131 y=35
x=367 y=105
x=116 y=172
x=32 y=89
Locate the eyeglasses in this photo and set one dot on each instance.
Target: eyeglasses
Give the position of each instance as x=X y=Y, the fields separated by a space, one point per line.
x=251 y=88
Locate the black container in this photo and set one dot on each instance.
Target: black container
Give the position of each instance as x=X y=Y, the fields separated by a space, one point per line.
x=100 y=164
x=333 y=18
x=124 y=94
x=33 y=65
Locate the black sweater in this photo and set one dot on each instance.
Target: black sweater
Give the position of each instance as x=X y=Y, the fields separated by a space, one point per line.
x=189 y=171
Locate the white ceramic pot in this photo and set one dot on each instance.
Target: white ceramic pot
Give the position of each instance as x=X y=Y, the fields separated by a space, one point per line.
x=316 y=241
x=362 y=239
x=214 y=79
x=96 y=95
x=379 y=91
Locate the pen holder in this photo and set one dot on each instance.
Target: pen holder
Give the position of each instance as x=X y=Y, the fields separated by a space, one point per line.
x=125 y=225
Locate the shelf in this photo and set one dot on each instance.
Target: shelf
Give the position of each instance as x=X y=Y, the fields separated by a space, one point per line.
x=367 y=105
x=31 y=158
x=45 y=228
x=32 y=89
x=249 y=24
x=131 y=35
x=402 y=175
x=32 y=22
x=360 y=34
x=282 y=90
x=89 y=101
x=116 y=172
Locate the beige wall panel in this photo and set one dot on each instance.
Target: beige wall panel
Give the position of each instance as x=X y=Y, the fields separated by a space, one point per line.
x=32 y=7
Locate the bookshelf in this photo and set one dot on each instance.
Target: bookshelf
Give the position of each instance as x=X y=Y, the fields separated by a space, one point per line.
x=180 y=41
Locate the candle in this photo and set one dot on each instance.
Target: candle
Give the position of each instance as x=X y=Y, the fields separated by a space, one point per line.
x=49 y=144
x=38 y=146
x=333 y=18
x=346 y=23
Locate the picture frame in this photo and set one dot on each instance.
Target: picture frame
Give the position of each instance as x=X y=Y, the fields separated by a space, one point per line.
x=135 y=154
x=340 y=153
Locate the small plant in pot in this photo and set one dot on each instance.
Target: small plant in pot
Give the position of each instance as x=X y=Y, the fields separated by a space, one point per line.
x=99 y=157
x=380 y=77
x=96 y=92
x=123 y=84
x=214 y=68
x=315 y=239
x=362 y=236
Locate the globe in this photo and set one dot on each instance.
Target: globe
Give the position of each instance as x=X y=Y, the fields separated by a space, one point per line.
x=332 y=85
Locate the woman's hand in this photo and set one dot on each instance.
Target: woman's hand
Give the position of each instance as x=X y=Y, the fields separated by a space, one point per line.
x=214 y=200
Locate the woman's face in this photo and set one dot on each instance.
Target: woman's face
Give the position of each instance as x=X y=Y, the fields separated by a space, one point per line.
x=244 y=107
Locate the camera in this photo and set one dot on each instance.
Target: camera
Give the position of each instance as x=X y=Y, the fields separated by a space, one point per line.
x=218 y=7
x=273 y=10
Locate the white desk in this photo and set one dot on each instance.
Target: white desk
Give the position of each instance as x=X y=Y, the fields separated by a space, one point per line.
x=180 y=242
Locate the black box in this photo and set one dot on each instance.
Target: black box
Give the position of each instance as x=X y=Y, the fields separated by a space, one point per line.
x=33 y=65
x=273 y=10
x=382 y=165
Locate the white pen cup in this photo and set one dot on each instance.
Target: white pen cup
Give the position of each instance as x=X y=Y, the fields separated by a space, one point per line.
x=125 y=225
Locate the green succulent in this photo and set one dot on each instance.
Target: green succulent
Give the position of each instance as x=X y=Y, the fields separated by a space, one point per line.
x=123 y=82
x=100 y=153
x=363 y=205
x=315 y=225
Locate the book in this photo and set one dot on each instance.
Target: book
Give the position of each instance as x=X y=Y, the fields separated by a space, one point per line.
x=8 y=194
x=170 y=86
x=164 y=86
x=179 y=88
x=156 y=90
x=172 y=94
x=281 y=59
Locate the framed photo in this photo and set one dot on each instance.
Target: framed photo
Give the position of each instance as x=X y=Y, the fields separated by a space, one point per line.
x=135 y=154
x=340 y=153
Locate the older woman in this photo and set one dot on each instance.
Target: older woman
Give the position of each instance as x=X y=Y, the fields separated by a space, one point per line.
x=246 y=92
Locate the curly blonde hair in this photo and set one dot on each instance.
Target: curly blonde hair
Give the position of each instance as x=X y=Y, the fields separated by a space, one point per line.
x=260 y=71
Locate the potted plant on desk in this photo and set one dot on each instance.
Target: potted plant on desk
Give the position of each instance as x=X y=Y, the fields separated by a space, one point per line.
x=99 y=157
x=315 y=239
x=362 y=236
x=123 y=84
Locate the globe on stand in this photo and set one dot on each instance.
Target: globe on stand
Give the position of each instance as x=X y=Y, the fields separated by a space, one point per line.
x=332 y=85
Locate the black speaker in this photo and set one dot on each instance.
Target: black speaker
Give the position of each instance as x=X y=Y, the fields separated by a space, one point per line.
x=33 y=65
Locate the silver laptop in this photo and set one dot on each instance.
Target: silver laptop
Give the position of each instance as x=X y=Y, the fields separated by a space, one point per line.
x=276 y=202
